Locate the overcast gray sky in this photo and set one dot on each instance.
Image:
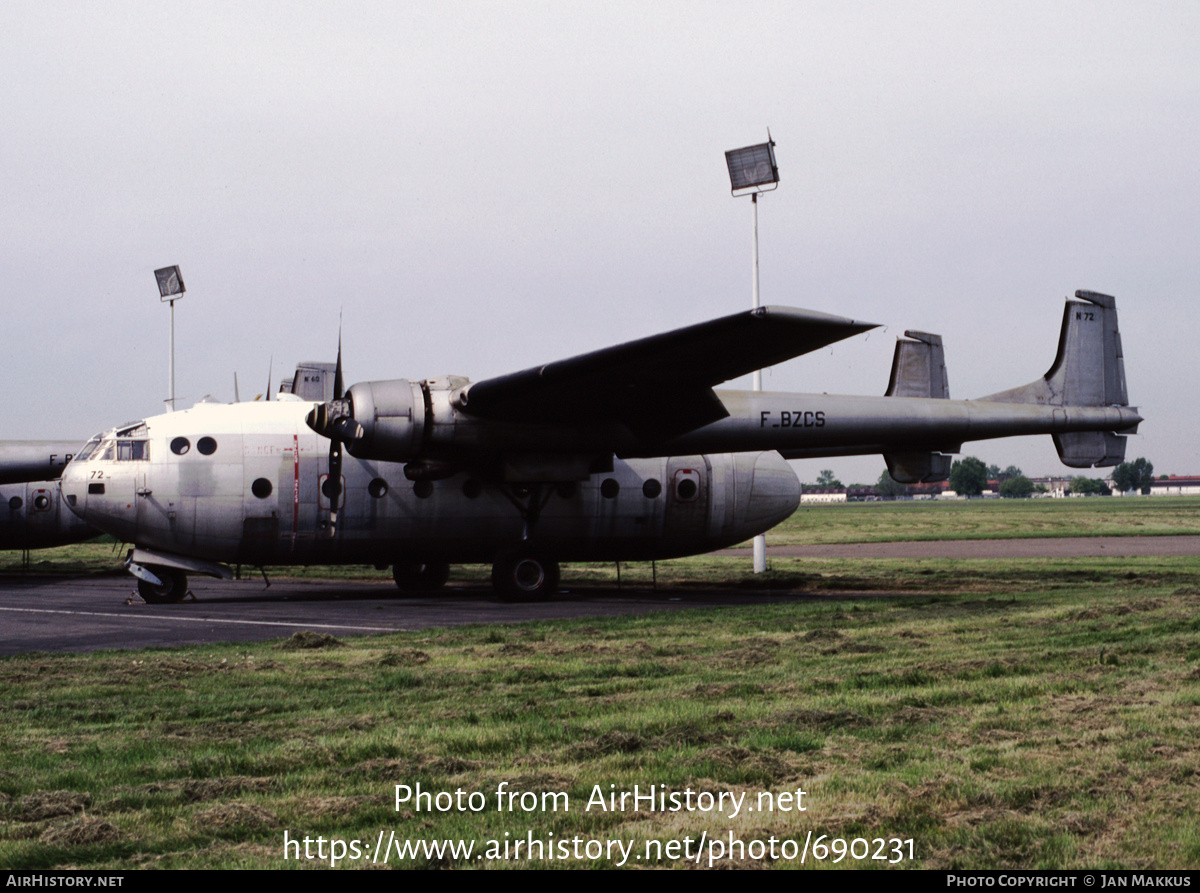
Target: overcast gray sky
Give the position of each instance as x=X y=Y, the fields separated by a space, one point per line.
x=479 y=187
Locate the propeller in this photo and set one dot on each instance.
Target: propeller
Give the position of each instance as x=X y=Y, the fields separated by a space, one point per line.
x=333 y=484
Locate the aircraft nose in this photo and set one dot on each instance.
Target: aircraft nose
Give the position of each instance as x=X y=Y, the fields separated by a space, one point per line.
x=774 y=492
x=73 y=489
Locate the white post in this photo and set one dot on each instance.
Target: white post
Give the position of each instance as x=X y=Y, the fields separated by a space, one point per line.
x=760 y=541
x=171 y=371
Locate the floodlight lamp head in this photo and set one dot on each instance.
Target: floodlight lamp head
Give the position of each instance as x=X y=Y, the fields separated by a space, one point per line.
x=170 y=284
x=753 y=169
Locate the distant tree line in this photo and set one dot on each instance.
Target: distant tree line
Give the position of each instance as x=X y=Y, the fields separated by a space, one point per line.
x=1135 y=475
x=970 y=477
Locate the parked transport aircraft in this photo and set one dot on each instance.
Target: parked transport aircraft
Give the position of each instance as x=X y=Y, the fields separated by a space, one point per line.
x=626 y=453
x=31 y=512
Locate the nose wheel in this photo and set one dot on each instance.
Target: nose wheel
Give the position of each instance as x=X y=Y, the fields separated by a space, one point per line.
x=524 y=574
x=173 y=588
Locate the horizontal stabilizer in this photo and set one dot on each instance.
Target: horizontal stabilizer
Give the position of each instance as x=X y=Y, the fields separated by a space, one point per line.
x=919 y=367
x=1087 y=449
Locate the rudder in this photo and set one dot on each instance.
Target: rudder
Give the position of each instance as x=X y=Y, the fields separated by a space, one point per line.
x=1089 y=369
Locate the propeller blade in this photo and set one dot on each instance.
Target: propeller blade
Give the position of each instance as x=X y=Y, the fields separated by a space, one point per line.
x=337 y=374
x=339 y=425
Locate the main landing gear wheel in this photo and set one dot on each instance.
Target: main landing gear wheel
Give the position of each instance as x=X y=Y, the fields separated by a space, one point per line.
x=173 y=588
x=421 y=576
x=524 y=575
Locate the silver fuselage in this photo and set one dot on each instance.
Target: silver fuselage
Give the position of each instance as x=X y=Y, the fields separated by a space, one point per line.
x=243 y=483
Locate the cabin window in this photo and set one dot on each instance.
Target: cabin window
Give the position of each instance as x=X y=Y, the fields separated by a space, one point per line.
x=261 y=488
x=206 y=445
x=180 y=445
x=610 y=488
x=423 y=489
x=95 y=489
x=133 y=450
x=472 y=488
x=15 y=503
x=651 y=489
x=377 y=488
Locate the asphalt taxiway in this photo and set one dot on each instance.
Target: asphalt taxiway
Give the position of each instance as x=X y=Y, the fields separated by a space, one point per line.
x=104 y=612
x=96 y=612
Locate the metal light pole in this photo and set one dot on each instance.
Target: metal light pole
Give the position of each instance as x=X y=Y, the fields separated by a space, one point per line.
x=753 y=170
x=170 y=288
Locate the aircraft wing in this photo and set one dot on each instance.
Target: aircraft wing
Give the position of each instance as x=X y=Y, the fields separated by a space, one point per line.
x=662 y=385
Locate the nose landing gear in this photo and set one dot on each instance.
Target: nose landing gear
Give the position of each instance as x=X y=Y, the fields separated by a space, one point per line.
x=171 y=588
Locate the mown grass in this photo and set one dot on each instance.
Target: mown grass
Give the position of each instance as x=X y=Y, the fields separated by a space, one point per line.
x=998 y=713
x=868 y=522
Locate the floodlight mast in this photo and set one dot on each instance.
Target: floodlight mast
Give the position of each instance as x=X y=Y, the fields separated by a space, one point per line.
x=753 y=170
x=170 y=288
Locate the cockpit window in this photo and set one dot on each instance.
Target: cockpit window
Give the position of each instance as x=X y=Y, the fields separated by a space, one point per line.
x=88 y=449
x=133 y=450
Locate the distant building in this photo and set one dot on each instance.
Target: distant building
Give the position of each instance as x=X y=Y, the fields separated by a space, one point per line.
x=822 y=494
x=1176 y=485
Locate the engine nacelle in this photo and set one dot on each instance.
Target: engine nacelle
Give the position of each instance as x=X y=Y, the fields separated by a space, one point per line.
x=391 y=417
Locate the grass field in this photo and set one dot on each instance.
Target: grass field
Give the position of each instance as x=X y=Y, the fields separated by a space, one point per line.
x=1035 y=713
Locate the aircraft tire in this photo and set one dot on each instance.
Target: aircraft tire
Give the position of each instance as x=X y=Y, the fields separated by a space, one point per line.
x=174 y=587
x=524 y=575
x=420 y=576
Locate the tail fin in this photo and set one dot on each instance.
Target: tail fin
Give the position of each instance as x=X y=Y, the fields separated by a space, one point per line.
x=1089 y=370
x=1090 y=367
x=918 y=370
x=919 y=367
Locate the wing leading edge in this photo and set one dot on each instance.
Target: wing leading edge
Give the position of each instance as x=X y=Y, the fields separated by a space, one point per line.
x=659 y=386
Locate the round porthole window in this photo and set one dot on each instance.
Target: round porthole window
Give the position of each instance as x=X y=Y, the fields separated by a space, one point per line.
x=472 y=488
x=15 y=503
x=377 y=488
x=180 y=445
x=610 y=488
x=651 y=489
x=261 y=488
x=687 y=489
x=423 y=489
x=206 y=445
